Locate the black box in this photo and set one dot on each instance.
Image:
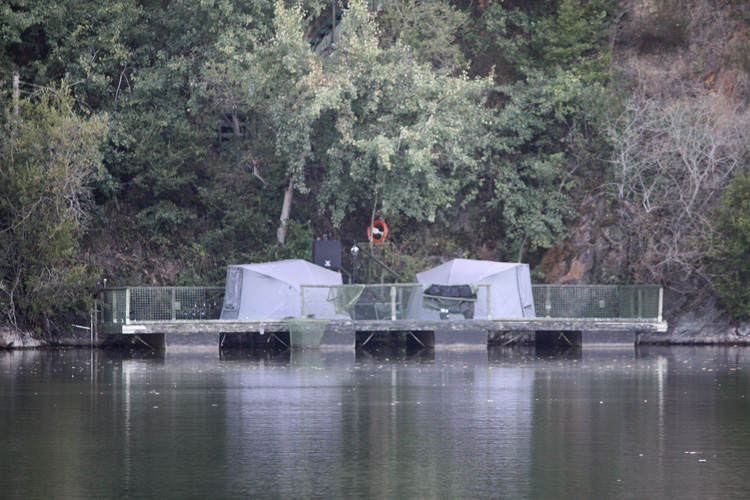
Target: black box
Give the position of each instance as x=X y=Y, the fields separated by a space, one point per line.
x=327 y=254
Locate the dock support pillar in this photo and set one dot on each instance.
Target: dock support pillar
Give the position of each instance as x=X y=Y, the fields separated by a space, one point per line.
x=155 y=341
x=553 y=339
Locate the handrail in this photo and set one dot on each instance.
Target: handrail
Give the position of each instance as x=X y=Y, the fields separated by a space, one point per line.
x=133 y=305
x=381 y=263
x=126 y=305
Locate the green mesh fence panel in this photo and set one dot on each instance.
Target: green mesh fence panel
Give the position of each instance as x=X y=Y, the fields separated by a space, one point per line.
x=113 y=306
x=345 y=297
x=138 y=304
x=634 y=302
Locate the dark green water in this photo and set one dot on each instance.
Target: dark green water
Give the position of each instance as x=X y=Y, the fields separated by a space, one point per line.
x=597 y=423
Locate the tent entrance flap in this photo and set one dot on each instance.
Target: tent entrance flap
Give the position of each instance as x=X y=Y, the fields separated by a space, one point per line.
x=232 y=293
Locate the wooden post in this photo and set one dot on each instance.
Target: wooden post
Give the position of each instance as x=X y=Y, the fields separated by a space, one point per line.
x=127 y=306
x=174 y=305
x=91 y=325
x=393 y=303
x=640 y=303
x=302 y=300
x=114 y=306
x=661 y=305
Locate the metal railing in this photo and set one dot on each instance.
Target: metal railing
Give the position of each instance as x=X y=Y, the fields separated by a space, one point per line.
x=359 y=302
x=130 y=305
x=599 y=302
x=169 y=303
x=392 y=301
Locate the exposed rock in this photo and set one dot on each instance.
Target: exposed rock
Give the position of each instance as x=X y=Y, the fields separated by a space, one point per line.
x=553 y=264
x=580 y=267
x=10 y=338
x=700 y=322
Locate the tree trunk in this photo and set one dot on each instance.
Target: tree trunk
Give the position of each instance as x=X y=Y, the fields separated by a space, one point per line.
x=286 y=208
x=16 y=95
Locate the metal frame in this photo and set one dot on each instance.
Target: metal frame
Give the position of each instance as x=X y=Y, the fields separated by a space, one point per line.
x=396 y=293
x=133 y=305
x=599 y=303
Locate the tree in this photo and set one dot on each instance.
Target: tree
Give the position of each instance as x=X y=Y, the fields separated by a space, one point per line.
x=670 y=165
x=48 y=158
x=549 y=36
x=429 y=28
x=388 y=133
x=529 y=165
x=396 y=136
x=732 y=260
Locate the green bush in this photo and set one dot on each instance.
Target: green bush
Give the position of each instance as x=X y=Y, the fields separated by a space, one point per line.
x=733 y=258
x=49 y=156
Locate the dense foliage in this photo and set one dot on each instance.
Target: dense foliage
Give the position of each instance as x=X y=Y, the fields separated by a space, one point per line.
x=733 y=262
x=210 y=132
x=50 y=156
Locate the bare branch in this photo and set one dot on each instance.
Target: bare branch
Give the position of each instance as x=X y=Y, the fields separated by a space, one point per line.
x=672 y=162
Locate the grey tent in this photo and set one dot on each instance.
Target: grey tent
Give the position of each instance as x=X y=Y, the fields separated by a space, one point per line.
x=509 y=291
x=271 y=290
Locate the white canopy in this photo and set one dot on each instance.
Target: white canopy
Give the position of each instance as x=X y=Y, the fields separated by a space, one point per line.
x=510 y=287
x=271 y=290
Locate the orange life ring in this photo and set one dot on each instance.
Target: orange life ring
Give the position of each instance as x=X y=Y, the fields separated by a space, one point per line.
x=377 y=232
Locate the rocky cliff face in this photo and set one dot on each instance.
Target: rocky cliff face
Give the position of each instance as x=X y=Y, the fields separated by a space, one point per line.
x=10 y=338
x=593 y=252
x=672 y=51
x=597 y=254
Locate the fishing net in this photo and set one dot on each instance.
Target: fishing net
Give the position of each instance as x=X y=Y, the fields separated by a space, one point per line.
x=345 y=297
x=306 y=332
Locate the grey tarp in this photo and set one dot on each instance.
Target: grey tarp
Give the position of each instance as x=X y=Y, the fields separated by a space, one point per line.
x=509 y=288
x=271 y=290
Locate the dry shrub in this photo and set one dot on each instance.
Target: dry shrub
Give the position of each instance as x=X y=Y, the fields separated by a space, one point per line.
x=672 y=161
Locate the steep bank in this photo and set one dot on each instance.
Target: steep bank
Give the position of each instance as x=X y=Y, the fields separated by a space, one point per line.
x=592 y=138
x=10 y=338
x=672 y=57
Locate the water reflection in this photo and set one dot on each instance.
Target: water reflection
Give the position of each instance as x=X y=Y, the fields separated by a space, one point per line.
x=504 y=423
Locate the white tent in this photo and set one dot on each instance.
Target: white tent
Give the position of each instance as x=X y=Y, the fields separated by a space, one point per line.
x=271 y=290
x=509 y=288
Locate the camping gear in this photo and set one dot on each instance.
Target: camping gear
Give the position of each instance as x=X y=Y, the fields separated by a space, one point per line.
x=509 y=288
x=451 y=299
